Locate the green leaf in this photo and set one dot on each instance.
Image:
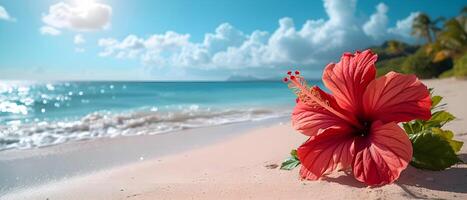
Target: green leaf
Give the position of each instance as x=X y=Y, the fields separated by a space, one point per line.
x=433 y=147
x=438 y=119
x=291 y=162
x=408 y=128
x=432 y=150
x=448 y=135
x=413 y=127
x=435 y=101
x=293 y=153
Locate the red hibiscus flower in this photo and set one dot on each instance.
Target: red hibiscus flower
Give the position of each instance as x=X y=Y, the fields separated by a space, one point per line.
x=355 y=127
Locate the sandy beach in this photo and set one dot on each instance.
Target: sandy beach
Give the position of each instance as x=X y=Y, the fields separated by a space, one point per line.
x=243 y=165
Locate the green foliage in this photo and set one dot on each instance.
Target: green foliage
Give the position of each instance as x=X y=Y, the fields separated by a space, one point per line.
x=391 y=55
x=432 y=150
x=462 y=18
x=291 y=162
x=453 y=37
x=438 y=119
x=419 y=64
x=388 y=65
x=424 y=27
x=448 y=135
x=444 y=54
x=433 y=147
x=435 y=100
x=421 y=27
x=393 y=49
x=447 y=74
x=460 y=67
x=424 y=65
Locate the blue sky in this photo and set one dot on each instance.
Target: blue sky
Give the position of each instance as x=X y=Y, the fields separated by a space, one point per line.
x=194 y=40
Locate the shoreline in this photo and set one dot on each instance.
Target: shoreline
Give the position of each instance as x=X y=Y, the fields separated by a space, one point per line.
x=200 y=165
x=76 y=158
x=244 y=166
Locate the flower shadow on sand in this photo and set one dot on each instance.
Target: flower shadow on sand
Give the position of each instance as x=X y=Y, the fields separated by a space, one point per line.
x=346 y=179
x=453 y=179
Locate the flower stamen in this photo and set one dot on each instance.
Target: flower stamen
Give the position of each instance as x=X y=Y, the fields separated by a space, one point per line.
x=299 y=86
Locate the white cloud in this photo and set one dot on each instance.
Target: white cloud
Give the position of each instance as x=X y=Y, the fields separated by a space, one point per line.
x=404 y=27
x=225 y=36
x=47 y=30
x=313 y=44
x=81 y=16
x=376 y=27
x=128 y=48
x=79 y=39
x=4 y=15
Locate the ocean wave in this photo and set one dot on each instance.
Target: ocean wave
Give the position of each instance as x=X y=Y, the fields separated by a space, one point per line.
x=16 y=135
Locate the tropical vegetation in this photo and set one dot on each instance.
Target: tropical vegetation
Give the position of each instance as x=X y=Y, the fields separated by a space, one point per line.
x=444 y=53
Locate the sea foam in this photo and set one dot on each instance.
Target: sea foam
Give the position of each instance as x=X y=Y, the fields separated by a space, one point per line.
x=38 y=114
x=108 y=125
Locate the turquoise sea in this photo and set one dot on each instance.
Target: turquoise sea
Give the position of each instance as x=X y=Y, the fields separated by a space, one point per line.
x=36 y=114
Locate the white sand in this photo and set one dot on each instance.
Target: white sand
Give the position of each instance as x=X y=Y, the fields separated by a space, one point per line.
x=236 y=169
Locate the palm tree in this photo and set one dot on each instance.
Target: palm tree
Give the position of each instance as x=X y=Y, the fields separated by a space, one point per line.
x=424 y=27
x=462 y=18
x=453 y=37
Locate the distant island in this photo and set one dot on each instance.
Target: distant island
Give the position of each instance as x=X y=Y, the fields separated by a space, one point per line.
x=250 y=78
x=242 y=78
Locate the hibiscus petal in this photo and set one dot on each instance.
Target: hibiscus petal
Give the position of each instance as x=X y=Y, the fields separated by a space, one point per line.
x=348 y=79
x=381 y=156
x=309 y=117
x=326 y=152
x=397 y=97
